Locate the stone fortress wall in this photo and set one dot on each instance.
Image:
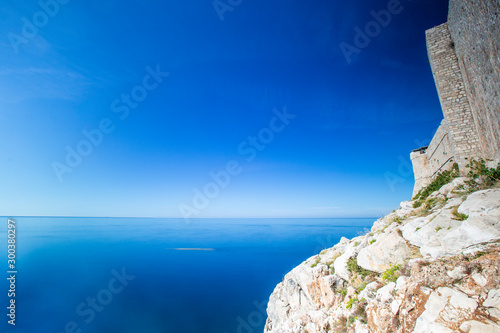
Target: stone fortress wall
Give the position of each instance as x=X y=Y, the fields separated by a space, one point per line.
x=465 y=61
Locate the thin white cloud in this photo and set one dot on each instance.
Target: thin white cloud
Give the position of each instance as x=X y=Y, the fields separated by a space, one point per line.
x=18 y=84
x=326 y=208
x=40 y=71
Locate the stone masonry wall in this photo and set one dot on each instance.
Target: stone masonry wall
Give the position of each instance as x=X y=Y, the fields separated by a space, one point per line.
x=436 y=158
x=475 y=28
x=457 y=139
x=464 y=54
x=458 y=117
x=439 y=153
x=420 y=170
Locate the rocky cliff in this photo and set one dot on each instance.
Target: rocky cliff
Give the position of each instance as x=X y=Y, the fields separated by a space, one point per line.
x=433 y=268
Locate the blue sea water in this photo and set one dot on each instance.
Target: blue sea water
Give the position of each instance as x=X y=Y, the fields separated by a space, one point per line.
x=155 y=275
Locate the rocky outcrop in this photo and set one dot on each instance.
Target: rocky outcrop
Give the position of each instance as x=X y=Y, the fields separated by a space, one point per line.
x=435 y=268
x=390 y=248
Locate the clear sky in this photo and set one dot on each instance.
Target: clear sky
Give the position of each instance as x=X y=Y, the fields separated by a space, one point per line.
x=133 y=108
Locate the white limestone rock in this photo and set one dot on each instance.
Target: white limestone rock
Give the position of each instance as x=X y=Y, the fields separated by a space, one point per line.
x=379 y=224
x=309 y=298
x=417 y=231
x=457 y=272
x=446 y=189
x=445 y=305
x=384 y=294
x=441 y=234
x=492 y=303
x=474 y=326
x=480 y=279
x=389 y=249
x=493 y=299
x=340 y=264
x=361 y=328
x=405 y=208
x=454 y=202
x=482 y=203
x=450 y=190
x=292 y=295
x=402 y=283
x=370 y=290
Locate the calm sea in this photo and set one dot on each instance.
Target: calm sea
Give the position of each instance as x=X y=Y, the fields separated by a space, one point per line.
x=155 y=275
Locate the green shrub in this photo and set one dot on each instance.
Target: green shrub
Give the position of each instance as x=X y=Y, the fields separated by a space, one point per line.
x=398 y=219
x=392 y=273
x=340 y=325
x=350 y=303
x=479 y=254
x=459 y=216
x=316 y=262
x=360 y=311
x=430 y=203
x=360 y=286
x=352 y=266
x=478 y=169
x=442 y=178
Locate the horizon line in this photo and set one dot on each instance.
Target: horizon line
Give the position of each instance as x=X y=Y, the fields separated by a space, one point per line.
x=194 y=218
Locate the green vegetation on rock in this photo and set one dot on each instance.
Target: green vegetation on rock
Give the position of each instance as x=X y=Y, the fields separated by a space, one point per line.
x=352 y=266
x=442 y=178
x=316 y=262
x=459 y=216
x=398 y=219
x=351 y=302
x=392 y=273
x=489 y=177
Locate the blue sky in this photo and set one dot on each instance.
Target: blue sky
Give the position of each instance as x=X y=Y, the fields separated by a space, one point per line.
x=169 y=93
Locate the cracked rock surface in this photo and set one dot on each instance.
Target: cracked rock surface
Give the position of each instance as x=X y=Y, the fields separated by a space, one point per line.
x=432 y=269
